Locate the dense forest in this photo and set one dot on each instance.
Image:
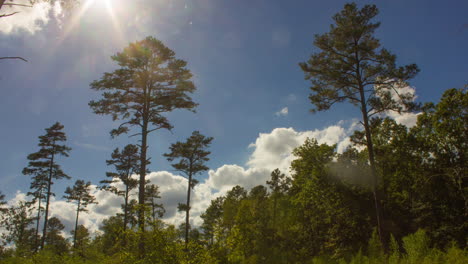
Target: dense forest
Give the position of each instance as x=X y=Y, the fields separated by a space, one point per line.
x=397 y=195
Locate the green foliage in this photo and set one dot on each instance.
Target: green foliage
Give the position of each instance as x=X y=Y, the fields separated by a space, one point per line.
x=15 y=222
x=416 y=246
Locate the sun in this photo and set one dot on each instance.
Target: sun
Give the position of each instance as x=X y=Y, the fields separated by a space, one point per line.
x=99 y=4
x=107 y=7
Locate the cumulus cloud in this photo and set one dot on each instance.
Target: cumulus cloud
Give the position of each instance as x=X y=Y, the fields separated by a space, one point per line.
x=408 y=119
x=273 y=150
x=283 y=112
x=29 y=19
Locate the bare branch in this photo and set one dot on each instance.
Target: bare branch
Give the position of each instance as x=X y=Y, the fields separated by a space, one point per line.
x=13 y=58
x=13 y=4
x=7 y=15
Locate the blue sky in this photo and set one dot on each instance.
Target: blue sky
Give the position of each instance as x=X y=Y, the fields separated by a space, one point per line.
x=244 y=56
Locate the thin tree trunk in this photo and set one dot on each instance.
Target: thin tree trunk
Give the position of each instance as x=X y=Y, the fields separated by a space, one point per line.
x=76 y=224
x=370 y=150
x=125 y=209
x=36 y=246
x=49 y=186
x=141 y=190
x=1 y=3
x=187 y=214
x=125 y=215
x=370 y=146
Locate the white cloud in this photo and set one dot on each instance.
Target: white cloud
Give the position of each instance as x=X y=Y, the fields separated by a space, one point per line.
x=273 y=150
x=407 y=119
x=29 y=19
x=283 y=112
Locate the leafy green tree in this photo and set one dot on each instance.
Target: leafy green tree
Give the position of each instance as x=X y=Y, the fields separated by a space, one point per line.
x=352 y=67
x=80 y=193
x=392 y=144
x=45 y=162
x=111 y=235
x=251 y=239
x=441 y=189
x=331 y=218
x=149 y=83
x=192 y=156
x=54 y=239
x=82 y=239
x=15 y=222
x=157 y=209
x=126 y=162
x=279 y=184
x=212 y=218
x=231 y=206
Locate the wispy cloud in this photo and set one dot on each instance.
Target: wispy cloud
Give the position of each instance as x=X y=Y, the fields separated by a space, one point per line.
x=91 y=146
x=282 y=112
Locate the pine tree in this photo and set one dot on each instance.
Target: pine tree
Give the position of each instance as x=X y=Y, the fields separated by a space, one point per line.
x=79 y=193
x=352 y=67
x=191 y=156
x=44 y=168
x=149 y=83
x=126 y=162
x=157 y=209
x=38 y=191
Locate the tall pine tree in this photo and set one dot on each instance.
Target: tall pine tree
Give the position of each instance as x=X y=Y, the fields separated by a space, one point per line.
x=44 y=164
x=80 y=194
x=352 y=67
x=191 y=156
x=125 y=162
x=149 y=83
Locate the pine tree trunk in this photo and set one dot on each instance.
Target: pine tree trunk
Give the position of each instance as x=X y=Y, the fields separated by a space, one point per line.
x=125 y=209
x=187 y=213
x=36 y=246
x=124 y=242
x=49 y=186
x=141 y=190
x=76 y=224
x=370 y=150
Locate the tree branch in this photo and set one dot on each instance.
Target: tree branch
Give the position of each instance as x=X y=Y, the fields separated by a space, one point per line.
x=7 y=15
x=13 y=58
x=13 y=4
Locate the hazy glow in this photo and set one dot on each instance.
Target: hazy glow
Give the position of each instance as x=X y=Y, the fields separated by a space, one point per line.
x=101 y=6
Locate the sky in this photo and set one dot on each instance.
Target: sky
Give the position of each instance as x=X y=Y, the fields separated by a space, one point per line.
x=244 y=56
